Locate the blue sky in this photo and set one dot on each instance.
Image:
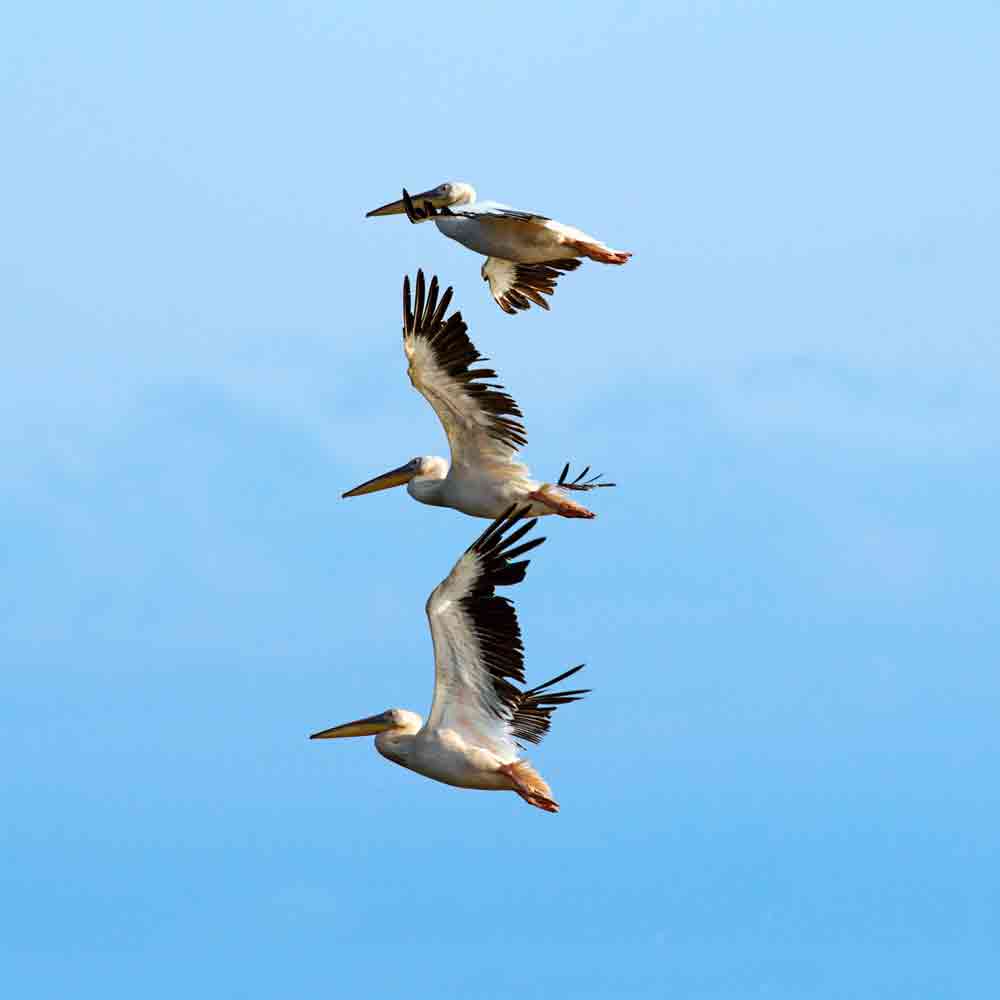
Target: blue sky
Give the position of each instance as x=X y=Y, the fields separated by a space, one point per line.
x=784 y=783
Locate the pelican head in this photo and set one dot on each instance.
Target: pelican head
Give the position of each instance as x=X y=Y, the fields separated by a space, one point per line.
x=391 y=720
x=449 y=193
x=414 y=474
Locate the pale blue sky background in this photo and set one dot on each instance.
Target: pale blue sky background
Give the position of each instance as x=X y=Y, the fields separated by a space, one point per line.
x=785 y=782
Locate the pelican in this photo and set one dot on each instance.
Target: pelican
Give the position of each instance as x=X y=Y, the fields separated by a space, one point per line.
x=525 y=253
x=481 y=421
x=478 y=715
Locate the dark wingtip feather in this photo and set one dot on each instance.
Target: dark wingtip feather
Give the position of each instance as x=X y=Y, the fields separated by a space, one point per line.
x=494 y=619
x=557 y=680
x=455 y=355
x=501 y=524
x=580 y=483
x=533 y=716
x=527 y=713
x=532 y=543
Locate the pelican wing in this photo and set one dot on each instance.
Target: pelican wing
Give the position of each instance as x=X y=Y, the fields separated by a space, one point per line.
x=477 y=210
x=515 y=286
x=478 y=653
x=494 y=210
x=482 y=422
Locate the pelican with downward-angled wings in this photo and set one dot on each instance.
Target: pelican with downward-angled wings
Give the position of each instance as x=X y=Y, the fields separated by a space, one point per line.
x=525 y=253
x=482 y=422
x=479 y=715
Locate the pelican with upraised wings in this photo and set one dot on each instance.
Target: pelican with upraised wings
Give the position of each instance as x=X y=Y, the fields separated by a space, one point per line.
x=482 y=422
x=479 y=715
x=526 y=253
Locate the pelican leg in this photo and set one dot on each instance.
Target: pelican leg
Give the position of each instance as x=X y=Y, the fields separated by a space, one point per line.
x=559 y=504
x=529 y=785
x=599 y=252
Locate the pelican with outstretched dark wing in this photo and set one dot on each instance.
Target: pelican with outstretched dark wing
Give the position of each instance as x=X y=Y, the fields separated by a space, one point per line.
x=472 y=738
x=482 y=422
x=525 y=253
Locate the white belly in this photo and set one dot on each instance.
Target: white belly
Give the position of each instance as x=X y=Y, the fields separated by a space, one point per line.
x=517 y=240
x=486 y=496
x=445 y=757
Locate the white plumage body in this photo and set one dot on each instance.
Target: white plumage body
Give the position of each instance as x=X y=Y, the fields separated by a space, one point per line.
x=481 y=492
x=522 y=237
x=470 y=738
x=485 y=476
x=446 y=756
x=526 y=253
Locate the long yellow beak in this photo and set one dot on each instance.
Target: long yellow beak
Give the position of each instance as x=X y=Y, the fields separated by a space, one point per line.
x=398 y=207
x=363 y=727
x=387 y=480
x=393 y=208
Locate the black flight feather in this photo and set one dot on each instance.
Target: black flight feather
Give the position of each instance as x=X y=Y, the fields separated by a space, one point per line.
x=527 y=713
x=454 y=353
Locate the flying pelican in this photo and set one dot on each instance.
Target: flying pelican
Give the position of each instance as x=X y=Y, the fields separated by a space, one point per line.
x=525 y=253
x=478 y=716
x=480 y=419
